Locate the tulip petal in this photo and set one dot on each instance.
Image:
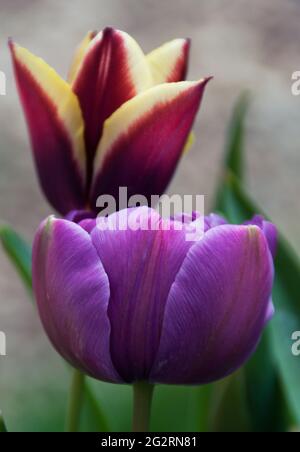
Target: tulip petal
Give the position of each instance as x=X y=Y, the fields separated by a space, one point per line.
x=169 y=62
x=269 y=230
x=56 y=128
x=216 y=308
x=76 y=216
x=141 y=266
x=212 y=220
x=189 y=142
x=72 y=292
x=113 y=70
x=143 y=140
x=79 y=55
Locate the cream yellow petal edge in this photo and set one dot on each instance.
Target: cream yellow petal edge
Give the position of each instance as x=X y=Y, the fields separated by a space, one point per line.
x=123 y=118
x=137 y=61
x=189 y=142
x=163 y=59
x=78 y=56
x=60 y=94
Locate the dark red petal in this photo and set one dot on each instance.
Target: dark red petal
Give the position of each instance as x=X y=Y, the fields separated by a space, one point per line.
x=113 y=70
x=143 y=140
x=56 y=130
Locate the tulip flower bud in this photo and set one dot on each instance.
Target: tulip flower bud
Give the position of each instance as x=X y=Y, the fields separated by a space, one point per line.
x=122 y=119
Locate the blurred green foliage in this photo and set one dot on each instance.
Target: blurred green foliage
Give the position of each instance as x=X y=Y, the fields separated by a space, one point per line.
x=2 y=424
x=273 y=374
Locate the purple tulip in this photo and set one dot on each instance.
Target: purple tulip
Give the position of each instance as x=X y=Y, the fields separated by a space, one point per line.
x=127 y=305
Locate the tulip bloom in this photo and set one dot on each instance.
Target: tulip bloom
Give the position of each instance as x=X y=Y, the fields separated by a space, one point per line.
x=123 y=118
x=125 y=305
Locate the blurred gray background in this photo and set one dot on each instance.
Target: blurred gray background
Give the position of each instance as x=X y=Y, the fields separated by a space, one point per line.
x=245 y=45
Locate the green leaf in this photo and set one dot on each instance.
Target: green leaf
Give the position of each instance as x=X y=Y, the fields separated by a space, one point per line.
x=19 y=253
x=116 y=402
x=285 y=295
x=229 y=408
x=180 y=408
x=234 y=155
x=236 y=137
x=199 y=405
x=266 y=402
x=2 y=424
x=93 y=418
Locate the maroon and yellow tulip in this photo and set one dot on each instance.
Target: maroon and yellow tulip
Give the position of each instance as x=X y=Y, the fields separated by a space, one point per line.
x=123 y=118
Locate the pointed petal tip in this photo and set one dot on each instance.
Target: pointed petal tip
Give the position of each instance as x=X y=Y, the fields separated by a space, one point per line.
x=169 y=62
x=12 y=45
x=10 y=42
x=205 y=80
x=106 y=34
x=188 y=43
x=109 y=30
x=50 y=220
x=93 y=33
x=201 y=83
x=253 y=227
x=47 y=224
x=254 y=231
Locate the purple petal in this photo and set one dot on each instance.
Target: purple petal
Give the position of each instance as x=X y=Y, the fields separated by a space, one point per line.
x=269 y=230
x=213 y=220
x=88 y=224
x=270 y=311
x=72 y=292
x=217 y=307
x=210 y=221
x=79 y=215
x=141 y=266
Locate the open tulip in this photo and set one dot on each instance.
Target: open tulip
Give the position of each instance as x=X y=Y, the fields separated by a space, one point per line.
x=123 y=118
x=126 y=305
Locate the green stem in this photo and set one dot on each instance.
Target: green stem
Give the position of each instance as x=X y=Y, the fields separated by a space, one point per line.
x=75 y=402
x=142 y=400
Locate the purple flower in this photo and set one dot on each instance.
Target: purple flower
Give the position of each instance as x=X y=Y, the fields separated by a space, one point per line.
x=125 y=305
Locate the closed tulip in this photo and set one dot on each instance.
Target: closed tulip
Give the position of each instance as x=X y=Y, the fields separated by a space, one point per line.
x=128 y=305
x=123 y=118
